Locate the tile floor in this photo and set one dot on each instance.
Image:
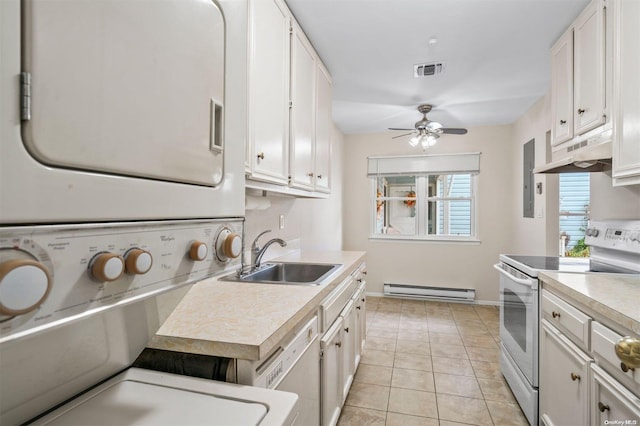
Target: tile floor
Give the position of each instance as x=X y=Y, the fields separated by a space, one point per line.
x=430 y=363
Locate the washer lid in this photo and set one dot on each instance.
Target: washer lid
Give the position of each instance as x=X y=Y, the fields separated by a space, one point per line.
x=130 y=402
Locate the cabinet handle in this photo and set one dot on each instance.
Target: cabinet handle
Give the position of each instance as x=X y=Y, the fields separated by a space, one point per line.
x=310 y=174
x=319 y=176
x=624 y=367
x=555 y=314
x=628 y=351
x=581 y=111
x=359 y=280
x=563 y=122
x=603 y=407
x=346 y=329
x=261 y=156
x=363 y=299
x=358 y=307
x=339 y=344
x=575 y=376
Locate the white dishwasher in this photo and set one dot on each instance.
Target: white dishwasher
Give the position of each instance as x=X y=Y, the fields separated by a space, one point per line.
x=293 y=367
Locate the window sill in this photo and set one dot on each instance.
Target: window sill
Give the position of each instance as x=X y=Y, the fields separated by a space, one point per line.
x=436 y=240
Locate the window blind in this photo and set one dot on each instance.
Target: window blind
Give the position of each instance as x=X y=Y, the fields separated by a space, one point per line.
x=424 y=164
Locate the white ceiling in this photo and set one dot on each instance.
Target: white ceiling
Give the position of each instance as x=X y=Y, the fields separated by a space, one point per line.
x=496 y=56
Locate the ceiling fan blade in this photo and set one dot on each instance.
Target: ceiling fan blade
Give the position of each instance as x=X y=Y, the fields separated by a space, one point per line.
x=406 y=134
x=396 y=128
x=454 y=131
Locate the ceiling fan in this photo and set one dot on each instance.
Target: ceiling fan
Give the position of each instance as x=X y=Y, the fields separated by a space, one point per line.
x=426 y=131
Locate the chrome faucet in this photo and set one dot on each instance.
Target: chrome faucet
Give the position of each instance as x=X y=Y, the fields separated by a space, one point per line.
x=258 y=252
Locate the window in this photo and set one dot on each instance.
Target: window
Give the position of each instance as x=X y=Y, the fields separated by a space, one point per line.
x=574 y=213
x=428 y=197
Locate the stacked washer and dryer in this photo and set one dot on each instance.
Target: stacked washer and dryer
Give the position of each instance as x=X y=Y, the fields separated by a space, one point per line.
x=120 y=184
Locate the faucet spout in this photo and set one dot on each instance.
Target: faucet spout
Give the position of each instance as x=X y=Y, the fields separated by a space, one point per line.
x=257 y=252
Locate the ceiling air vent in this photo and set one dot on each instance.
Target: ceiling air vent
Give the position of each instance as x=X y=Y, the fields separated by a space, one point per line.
x=426 y=70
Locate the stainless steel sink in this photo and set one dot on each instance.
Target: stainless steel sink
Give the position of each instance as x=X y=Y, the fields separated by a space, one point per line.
x=287 y=273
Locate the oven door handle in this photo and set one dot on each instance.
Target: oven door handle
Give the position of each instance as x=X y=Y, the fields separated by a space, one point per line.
x=528 y=283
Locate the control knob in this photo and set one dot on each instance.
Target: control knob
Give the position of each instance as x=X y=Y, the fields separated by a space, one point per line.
x=24 y=285
x=106 y=267
x=228 y=245
x=198 y=251
x=138 y=261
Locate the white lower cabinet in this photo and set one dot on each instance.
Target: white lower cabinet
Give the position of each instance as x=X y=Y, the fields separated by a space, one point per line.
x=342 y=343
x=564 y=379
x=349 y=343
x=611 y=401
x=331 y=374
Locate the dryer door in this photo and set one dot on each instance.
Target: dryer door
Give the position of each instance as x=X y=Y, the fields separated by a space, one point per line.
x=132 y=88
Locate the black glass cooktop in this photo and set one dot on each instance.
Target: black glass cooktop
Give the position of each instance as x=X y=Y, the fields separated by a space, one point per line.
x=568 y=264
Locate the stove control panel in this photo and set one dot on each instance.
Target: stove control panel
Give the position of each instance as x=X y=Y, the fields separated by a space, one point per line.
x=621 y=235
x=53 y=274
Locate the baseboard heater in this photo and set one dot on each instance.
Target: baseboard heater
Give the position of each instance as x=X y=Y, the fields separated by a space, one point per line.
x=436 y=293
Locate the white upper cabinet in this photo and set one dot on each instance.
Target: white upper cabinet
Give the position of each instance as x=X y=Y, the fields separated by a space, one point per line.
x=589 y=71
x=290 y=122
x=562 y=89
x=303 y=71
x=268 y=150
x=324 y=127
x=580 y=79
x=626 y=80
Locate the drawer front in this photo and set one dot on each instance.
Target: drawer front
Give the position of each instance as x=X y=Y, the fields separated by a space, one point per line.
x=603 y=341
x=567 y=318
x=611 y=402
x=331 y=307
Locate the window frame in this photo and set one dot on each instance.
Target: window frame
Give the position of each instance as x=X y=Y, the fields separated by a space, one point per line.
x=422 y=202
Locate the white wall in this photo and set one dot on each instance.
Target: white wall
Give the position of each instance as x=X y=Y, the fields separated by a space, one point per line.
x=608 y=202
x=428 y=263
x=310 y=224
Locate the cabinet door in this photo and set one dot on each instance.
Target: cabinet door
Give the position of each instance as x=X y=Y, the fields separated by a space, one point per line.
x=303 y=72
x=324 y=127
x=626 y=63
x=331 y=374
x=348 y=347
x=562 y=89
x=589 y=75
x=564 y=379
x=611 y=401
x=360 y=303
x=269 y=91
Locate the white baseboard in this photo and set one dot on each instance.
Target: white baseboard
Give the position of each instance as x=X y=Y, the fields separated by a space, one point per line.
x=476 y=302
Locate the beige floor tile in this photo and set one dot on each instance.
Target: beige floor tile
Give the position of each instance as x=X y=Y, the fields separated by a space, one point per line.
x=414 y=325
x=412 y=361
x=480 y=341
x=380 y=343
x=382 y=332
x=356 y=416
x=384 y=323
x=365 y=395
x=413 y=379
x=457 y=385
x=445 y=338
x=374 y=374
x=448 y=423
x=457 y=366
x=412 y=402
x=374 y=357
x=496 y=390
x=466 y=331
x=506 y=414
x=483 y=354
x=396 y=419
x=486 y=370
x=448 y=351
x=470 y=323
x=463 y=410
x=421 y=335
x=442 y=328
x=413 y=347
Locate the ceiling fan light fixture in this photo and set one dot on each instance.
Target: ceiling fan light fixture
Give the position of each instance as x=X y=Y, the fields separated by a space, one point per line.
x=414 y=141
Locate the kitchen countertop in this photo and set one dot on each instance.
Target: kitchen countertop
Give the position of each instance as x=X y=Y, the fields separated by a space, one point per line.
x=614 y=296
x=247 y=320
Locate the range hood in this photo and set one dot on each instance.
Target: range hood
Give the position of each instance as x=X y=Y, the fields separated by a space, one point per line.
x=587 y=156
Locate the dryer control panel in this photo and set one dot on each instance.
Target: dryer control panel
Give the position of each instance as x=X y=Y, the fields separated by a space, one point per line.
x=53 y=274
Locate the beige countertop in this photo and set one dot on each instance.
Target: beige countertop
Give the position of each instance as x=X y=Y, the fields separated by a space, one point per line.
x=614 y=296
x=246 y=320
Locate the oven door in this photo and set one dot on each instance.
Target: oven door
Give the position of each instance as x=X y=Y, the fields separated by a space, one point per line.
x=519 y=319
